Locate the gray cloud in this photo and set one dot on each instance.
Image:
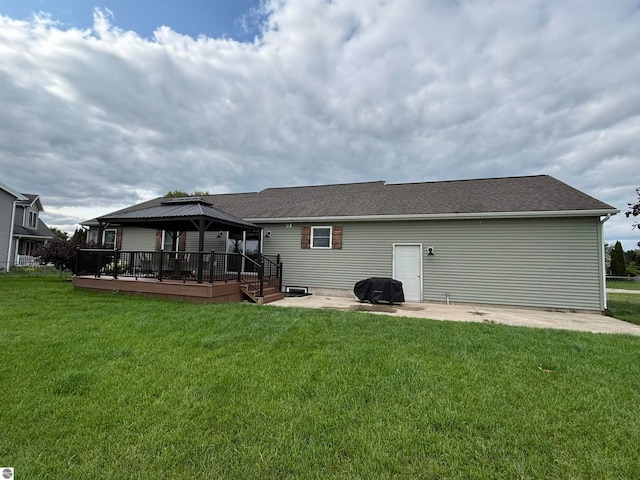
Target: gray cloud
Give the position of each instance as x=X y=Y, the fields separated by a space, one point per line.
x=403 y=90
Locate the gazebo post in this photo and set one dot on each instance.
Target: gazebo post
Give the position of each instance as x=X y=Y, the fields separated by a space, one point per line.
x=100 y=234
x=201 y=230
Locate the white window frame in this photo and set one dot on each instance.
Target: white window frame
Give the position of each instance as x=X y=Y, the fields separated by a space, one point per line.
x=313 y=229
x=104 y=237
x=166 y=237
x=33 y=216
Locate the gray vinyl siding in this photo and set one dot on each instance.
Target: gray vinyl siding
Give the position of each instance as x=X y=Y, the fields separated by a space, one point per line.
x=548 y=263
x=211 y=242
x=138 y=239
x=528 y=262
x=6 y=208
x=144 y=239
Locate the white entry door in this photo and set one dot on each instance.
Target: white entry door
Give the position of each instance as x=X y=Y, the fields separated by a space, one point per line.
x=407 y=268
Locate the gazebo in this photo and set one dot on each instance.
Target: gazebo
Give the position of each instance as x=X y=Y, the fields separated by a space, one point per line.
x=182 y=214
x=174 y=215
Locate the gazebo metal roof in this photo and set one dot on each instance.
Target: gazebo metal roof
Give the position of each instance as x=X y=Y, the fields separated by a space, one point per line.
x=180 y=214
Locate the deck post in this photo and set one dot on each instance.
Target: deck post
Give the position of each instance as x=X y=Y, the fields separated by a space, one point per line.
x=261 y=275
x=201 y=230
x=161 y=253
x=212 y=262
x=116 y=258
x=200 y=266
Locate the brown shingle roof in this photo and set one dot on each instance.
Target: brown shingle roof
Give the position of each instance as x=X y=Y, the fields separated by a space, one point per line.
x=518 y=195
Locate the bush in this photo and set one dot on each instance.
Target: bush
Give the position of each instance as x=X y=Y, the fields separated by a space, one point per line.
x=633 y=269
x=61 y=253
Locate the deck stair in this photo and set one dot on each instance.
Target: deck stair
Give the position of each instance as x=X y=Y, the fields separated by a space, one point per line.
x=270 y=294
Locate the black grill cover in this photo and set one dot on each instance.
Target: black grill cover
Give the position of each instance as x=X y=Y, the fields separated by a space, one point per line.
x=379 y=290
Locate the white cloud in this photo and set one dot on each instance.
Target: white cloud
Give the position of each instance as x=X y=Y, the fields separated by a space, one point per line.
x=401 y=90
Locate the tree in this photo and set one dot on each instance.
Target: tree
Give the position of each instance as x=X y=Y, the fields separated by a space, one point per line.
x=59 y=233
x=177 y=193
x=79 y=236
x=617 y=261
x=180 y=193
x=60 y=252
x=632 y=259
x=634 y=210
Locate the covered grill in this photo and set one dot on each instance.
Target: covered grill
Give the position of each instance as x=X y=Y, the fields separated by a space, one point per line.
x=379 y=290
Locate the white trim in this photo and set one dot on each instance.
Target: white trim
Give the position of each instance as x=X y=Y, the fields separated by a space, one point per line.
x=12 y=192
x=294 y=289
x=330 y=237
x=35 y=216
x=603 y=267
x=438 y=216
x=393 y=263
x=13 y=219
x=115 y=235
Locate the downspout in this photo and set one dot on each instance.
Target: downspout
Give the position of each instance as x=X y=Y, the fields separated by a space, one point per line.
x=13 y=219
x=603 y=290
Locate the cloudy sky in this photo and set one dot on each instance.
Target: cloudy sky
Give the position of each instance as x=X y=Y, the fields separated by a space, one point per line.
x=108 y=103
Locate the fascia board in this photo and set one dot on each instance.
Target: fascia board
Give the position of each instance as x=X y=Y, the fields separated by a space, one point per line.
x=440 y=216
x=13 y=193
x=35 y=236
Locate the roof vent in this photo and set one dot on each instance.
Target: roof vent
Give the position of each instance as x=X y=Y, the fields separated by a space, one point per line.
x=185 y=201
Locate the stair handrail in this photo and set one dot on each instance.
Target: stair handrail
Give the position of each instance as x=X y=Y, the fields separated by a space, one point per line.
x=270 y=265
x=256 y=283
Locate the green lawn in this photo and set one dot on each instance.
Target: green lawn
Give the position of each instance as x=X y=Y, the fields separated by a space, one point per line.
x=112 y=386
x=624 y=306
x=623 y=285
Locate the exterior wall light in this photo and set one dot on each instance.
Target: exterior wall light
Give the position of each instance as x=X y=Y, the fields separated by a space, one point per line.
x=429 y=250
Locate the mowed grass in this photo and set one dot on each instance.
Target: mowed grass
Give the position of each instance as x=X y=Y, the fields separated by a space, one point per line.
x=624 y=306
x=111 y=386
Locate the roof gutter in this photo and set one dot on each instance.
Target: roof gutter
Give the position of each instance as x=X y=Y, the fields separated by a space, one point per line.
x=603 y=285
x=440 y=216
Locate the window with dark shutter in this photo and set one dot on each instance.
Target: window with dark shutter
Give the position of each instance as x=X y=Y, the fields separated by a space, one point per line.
x=321 y=237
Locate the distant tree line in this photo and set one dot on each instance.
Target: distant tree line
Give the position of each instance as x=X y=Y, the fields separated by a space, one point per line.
x=181 y=193
x=623 y=263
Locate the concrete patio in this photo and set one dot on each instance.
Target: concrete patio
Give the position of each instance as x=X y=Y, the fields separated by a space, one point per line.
x=581 y=321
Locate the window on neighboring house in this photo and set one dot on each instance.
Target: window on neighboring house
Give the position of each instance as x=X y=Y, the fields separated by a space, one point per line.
x=109 y=239
x=321 y=237
x=33 y=219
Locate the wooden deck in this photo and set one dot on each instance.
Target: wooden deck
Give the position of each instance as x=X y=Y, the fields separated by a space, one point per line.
x=188 y=291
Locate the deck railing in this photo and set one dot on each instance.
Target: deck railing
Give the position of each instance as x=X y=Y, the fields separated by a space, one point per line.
x=202 y=267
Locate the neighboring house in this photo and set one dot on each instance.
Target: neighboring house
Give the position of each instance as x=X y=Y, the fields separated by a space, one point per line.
x=526 y=241
x=21 y=229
